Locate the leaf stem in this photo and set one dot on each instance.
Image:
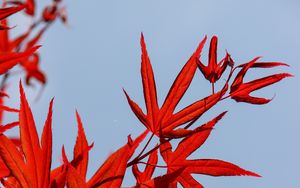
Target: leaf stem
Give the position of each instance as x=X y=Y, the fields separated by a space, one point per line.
x=159 y=166
x=149 y=140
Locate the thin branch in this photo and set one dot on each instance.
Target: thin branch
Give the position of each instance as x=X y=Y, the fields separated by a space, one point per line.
x=159 y=166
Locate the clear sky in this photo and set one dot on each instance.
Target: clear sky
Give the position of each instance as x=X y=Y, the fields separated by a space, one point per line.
x=89 y=62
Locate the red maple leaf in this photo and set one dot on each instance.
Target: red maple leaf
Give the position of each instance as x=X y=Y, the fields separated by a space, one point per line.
x=111 y=172
x=178 y=158
x=214 y=70
x=30 y=166
x=163 y=119
x=240 y=91
x=54 y=11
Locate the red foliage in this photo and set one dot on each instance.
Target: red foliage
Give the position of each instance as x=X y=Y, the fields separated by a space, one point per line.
x=26 y=162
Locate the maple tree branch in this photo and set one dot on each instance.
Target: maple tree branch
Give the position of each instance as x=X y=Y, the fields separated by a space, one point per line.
x=149 y=140
x=18 y=49
x=141 y=157
x=159 y=166
x=134 y=161
x=36 y=23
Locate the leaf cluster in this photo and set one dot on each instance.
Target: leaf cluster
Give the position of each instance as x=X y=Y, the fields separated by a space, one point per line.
x=26 y=161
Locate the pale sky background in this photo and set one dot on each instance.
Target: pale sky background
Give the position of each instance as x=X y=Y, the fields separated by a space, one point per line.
x=88 y=63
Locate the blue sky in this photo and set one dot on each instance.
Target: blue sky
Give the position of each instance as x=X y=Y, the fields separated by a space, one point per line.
x=89 y=62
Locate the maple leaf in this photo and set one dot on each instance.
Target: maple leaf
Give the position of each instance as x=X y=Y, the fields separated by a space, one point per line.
x=31 y=65
x=240 y=91
x=50 y=13
x=164 y=119
x=111 y=172
x=53 y=11
x=31 y=168
x=213 y=167
x=80 y=159
x=213 y=71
